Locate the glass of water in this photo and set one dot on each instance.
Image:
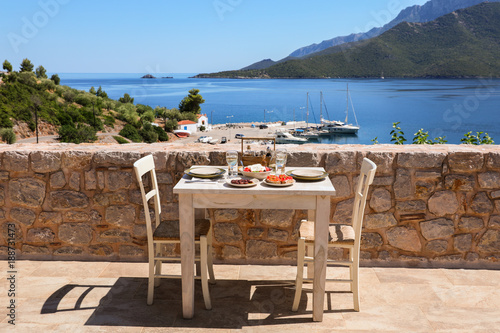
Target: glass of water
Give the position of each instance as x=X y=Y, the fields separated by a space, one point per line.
x=280 y=161
x=232 y=163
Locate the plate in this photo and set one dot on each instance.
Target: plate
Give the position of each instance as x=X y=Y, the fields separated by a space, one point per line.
x=258 y=175
x=254 y=182
x=279 y=185
x=205 y=172
x=319 y=174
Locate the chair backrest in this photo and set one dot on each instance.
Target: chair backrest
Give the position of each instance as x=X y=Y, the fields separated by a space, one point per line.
x=146 y=165
x=366 y=176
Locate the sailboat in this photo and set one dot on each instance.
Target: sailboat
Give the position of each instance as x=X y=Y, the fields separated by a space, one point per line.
x=339 y=127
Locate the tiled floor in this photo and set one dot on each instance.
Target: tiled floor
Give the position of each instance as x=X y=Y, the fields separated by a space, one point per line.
x=54 y=296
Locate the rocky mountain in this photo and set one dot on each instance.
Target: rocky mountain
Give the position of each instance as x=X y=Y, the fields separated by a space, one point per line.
x=464 y=43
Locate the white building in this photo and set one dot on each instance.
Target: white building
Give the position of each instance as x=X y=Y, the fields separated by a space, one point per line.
x=188 y=125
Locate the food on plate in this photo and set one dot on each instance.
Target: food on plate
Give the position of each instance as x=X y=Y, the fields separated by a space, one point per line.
x=279 y=179
x=256 y=168
x=241 y=181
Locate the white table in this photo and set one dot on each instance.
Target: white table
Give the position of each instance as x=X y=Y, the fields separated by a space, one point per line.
x=311 y=196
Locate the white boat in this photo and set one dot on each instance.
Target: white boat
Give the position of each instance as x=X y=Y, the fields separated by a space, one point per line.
x=341 y=127
x=308 y=134
x=285 y=137
x=213 y=141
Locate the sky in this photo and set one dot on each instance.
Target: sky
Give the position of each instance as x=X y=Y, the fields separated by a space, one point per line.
x=181 y=36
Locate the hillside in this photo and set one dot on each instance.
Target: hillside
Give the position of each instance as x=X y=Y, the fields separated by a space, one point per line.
x=465 y=43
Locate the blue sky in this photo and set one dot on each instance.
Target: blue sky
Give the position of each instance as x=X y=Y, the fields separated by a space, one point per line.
x=166 y=36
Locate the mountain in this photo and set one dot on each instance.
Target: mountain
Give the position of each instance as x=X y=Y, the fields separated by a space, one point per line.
x=465 y=43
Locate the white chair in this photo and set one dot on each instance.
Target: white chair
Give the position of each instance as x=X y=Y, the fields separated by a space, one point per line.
x=167 y=232
x=341 y=236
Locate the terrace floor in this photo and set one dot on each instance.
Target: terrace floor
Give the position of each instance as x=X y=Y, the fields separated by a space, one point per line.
x=69 y=296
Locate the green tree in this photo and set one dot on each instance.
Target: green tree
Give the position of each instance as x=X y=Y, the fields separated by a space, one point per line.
x=4 y=118
x=40 y=72
x=148 y=116
x=192 y=102
x=101 y=93
x=8 y=135
x=130 y=132
x=126 y=99
x=26 y=66
x=92 y=91
x=7 y=66
x=171 y=125
x=56 y=79
x=82 y=133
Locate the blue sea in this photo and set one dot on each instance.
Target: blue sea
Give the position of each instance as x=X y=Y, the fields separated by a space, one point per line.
x=443 y=107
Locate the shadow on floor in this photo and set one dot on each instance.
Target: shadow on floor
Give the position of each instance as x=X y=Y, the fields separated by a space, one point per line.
x=235 y=304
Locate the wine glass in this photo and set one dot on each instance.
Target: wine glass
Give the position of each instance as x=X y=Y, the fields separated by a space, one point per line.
x=280 y=161
x=232 y=162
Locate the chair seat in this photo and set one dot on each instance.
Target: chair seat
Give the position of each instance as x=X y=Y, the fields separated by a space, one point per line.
x=169 y=230
x=338 y=233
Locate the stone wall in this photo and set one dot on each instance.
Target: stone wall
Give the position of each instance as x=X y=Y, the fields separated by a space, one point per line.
x=429 y=206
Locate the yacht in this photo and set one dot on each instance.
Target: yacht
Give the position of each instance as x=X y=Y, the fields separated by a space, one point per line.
x=285 y=137
x=341 y=127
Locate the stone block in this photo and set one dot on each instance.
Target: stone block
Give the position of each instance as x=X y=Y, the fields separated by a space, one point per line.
x=2 y=195
x=16 y=161
x=231 y=252
x=379 y=220
x=277 y=235
x=462 y=243
x=35 y=250
x=74 y=181
x=431 y=175
x=343 y=212
x=77 y=160
x=443 y=202
x=282 y=218
x=169 y=211
x=114 y=236
x=382 y=181
x=302 y=159
x=69 y=251
x=420 y=160
x=371 y=240
x=449 y=258
x=23 y=215
x=424 y=188
x=489 y=180
x=411 y=206
x=57 y=180
x=465 y=161
x=259 y=249
x=255 y=232
x=481 y=204
x=495 y=195
x=471 y=256
x=2 y=214
x=75 y=233
x=404 y=238
x=227 y=232
x=117 y=180
x=490 y=242
x=335 y=253
x=18 y=231
x=438 y=246
x=100 y=250
x=27 y=191
x=90 y=180
x=226 y=215
x=342 y=186
x=383 y=160
x=459 y=182
x=161 y=159
x=100 y=180
x=493 y=160
x=4 y=175
x=120 y=215
x=470 y=224
x=403 y=186
x=112 y=198
x=131 y=251
x=340 y=162
x=115 y=158
x=494 y=222
x=164 y=178
x=45 y=161
x=50 y=218
x=438 y=228
x=380 y=200
x=184 y=160
x=40 y=235
x=68 y=200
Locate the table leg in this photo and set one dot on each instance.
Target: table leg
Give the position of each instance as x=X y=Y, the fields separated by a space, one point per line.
x=311 y=216
x=320 y=254
x=186 y=220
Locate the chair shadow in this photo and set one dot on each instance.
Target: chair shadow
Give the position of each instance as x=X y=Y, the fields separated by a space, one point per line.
x=235 y=304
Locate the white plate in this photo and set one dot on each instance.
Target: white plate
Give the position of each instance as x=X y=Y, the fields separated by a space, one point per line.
x=254 y=182
x=258 y=175
x=204 y=171
x=308 y=173
x=279 y=185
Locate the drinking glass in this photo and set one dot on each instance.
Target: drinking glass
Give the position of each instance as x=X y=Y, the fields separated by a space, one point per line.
x=232 y=163
x=280 y=161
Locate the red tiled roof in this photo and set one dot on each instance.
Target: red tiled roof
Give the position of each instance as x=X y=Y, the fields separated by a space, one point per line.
x=186 y=122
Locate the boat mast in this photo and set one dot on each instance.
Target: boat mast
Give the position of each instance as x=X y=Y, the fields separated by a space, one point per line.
x=307 y=110
x=321 y=107
x=347 y=104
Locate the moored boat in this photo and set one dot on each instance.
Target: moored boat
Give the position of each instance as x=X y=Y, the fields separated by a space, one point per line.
x=285 y=137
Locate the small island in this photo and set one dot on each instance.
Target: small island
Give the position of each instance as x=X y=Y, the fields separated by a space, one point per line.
x=149 y=76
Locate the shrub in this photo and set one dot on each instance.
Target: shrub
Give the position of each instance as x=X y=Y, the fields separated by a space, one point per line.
x=109 y=121
x=171 y=125
x=148 y=116
x=148 y=134
x=8 y=135
x=162 y=135
x=131 y=133
x=83 y=133
x=69 y=96
x=5 y=119
x=120 y=139
x=56 y=79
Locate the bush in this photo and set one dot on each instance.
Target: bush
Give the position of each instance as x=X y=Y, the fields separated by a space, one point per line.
x=109 y=121
x=5 y=119
x=56 y=79
x=120 y=139
x=83 y=133
x=148 y=133
x=171 y=125
x=69 y=96
x=8 y=135
x=131 y=133
x=162 y=135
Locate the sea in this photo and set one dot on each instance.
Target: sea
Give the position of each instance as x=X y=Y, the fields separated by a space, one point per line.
x=446 y=108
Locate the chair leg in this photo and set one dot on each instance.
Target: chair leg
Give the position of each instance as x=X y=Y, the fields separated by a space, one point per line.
x=204 y=272
x=351 y=269
x=157 y=264
x=210 y=259
x=310 y=265
x=300 y=273
x=355 y=283
x=151 y=280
